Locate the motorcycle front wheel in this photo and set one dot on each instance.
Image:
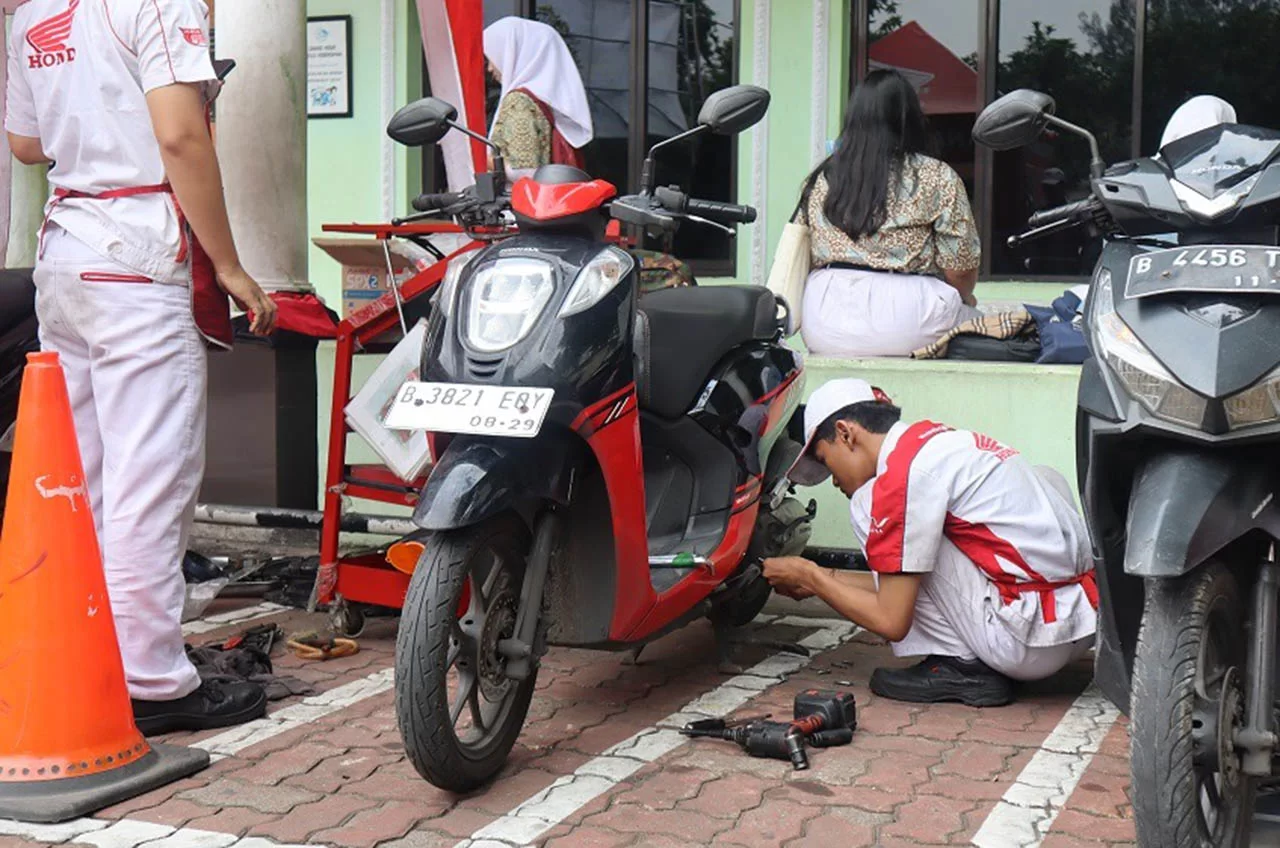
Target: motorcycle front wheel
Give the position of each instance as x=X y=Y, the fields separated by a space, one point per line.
x=459 y=714
x=1186 y=703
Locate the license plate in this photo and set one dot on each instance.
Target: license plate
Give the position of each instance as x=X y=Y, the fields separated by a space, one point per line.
x=478 y=410
x=1239 y=269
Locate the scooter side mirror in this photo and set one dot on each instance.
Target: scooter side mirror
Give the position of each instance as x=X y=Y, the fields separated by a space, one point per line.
x=731 y=110
x=424 y=121
x=1013 y=121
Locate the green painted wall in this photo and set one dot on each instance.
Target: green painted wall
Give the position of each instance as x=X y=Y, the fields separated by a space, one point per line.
x=345 y=175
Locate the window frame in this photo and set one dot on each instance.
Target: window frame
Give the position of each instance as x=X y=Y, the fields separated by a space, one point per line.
x=984 y=158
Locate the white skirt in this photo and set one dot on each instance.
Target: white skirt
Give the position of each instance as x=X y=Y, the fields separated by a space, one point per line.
x=857 y=314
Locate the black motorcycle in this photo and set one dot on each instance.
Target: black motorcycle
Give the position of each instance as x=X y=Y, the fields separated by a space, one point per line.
x=1177 y=443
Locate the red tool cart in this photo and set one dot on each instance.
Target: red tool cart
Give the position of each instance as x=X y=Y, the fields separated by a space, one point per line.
x=348 y=585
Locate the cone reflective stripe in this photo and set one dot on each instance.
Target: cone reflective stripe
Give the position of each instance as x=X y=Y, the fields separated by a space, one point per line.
x=68 y=743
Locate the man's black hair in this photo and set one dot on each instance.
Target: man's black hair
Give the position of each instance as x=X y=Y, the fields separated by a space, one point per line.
x=872 y=416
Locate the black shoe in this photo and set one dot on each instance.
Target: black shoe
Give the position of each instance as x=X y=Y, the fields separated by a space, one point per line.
x=214 y=704
x=936 y=679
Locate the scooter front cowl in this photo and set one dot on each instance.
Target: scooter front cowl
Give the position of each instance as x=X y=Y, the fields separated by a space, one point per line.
x=479 y=477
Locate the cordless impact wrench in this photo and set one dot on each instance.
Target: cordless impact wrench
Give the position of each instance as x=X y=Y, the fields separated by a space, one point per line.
x=821 y=719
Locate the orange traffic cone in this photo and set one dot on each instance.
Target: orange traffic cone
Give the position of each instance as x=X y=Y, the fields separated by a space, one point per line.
x=68 y=743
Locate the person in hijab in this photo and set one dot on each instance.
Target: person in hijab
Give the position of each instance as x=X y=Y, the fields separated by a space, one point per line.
x=1198 y=113
x=543 y=116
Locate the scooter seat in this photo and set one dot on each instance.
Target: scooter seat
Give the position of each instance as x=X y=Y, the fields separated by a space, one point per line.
x=681 y=333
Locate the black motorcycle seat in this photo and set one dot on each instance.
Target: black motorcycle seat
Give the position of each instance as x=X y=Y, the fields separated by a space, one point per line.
x=681 y=333
x=17 y=297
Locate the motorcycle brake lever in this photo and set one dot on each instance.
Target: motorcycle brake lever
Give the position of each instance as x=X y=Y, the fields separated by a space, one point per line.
x=698 y=219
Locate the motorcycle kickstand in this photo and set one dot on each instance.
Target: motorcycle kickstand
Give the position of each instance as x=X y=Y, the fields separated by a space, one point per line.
x=725 y=644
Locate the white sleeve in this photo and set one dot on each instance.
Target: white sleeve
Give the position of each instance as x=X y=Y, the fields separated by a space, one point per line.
x=908 y=514
x=172 y=42
x=20 y=107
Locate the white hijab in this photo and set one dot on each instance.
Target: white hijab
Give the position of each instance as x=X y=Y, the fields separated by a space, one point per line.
x=532 y=56
x=1198 y=113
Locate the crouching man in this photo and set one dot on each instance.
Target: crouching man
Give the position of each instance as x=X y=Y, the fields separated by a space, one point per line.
x=979 y=562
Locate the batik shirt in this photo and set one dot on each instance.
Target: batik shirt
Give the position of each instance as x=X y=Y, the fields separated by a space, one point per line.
x=522 y=132
x=928 y=226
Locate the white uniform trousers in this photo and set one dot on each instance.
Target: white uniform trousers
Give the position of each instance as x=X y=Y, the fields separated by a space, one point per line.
x=856 y=314
x=955 y=616
x=137 y=375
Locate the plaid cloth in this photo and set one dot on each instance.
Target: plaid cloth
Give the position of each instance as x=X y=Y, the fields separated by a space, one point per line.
x=998 y=325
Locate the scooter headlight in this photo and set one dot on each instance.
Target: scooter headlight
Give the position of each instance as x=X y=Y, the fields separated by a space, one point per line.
x=505 y=299
x=596 y=279
x=1141 y=374
x=447 y=292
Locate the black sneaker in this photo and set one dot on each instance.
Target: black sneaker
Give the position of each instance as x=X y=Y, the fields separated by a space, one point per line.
x=971 y=682
x=214 y=704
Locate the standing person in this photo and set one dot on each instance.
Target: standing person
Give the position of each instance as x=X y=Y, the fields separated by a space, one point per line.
x=894 y=249
x=543 y=116
x=979 y=562
x=115 y=95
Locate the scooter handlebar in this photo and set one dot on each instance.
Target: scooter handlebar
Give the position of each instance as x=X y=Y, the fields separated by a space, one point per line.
x=674 y=200
x=432 y=202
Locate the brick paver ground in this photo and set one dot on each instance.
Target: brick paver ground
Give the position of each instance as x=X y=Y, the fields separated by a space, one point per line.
x=914 y=776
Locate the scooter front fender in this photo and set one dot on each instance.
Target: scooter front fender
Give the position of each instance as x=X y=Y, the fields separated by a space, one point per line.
x=479 y=477
x=1188 y=505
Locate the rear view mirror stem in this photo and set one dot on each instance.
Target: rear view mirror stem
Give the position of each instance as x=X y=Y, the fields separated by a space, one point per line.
x=649 y=169
x=1096 y=166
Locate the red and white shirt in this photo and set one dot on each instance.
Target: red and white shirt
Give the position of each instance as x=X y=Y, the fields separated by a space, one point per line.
x=79 y=73
x=940 y=491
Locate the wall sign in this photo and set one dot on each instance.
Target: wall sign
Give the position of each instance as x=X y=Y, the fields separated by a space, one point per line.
x=329 y=67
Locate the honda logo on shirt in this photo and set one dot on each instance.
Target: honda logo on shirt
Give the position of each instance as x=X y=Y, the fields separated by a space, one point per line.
x=49 y=39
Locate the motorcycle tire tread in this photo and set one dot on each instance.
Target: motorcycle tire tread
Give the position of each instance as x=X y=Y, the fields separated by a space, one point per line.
x=1174 y=617
x=422 y=642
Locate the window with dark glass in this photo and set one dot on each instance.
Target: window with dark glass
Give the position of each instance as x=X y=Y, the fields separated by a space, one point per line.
x=934 y=44
x=1080 y=52
x=692 y=52
x=1226 y=48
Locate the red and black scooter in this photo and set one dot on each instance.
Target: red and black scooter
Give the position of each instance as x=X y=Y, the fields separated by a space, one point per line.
x=608 y=468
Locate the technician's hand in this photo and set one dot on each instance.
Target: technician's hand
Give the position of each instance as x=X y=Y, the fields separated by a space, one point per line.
x=790 y=576
x=250 y=297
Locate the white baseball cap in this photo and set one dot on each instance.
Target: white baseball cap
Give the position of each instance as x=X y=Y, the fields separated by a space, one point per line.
x=830 y=398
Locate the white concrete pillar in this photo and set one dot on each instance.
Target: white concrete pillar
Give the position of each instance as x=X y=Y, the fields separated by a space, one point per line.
x=262 y=135
x=30 y=190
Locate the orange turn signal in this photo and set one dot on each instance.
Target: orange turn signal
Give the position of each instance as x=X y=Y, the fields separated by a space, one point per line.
x=404 y=556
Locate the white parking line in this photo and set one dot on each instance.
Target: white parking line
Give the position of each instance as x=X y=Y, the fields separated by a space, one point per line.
x=127 y=833
x=1023 y=817
x=543 y=811
x=226 y=619
x=311 y=708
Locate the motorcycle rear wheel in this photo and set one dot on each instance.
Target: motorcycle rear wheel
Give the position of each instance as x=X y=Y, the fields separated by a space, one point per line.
x=1187 y=699
x=462 y=600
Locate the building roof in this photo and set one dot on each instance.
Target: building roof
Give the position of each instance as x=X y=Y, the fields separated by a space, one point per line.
x=947 y=86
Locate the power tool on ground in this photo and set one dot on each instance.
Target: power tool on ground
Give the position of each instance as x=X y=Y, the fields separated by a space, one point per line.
x=822 y=718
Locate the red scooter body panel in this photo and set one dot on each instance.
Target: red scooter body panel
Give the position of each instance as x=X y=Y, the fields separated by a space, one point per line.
x=612 y=429
x=683 y=596
x=541 y=202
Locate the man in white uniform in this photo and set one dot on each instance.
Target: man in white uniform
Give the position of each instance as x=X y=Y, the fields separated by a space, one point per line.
x=114 y=93
x=978 y=561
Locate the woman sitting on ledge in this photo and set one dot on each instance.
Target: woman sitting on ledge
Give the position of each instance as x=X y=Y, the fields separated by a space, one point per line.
x=895 y=252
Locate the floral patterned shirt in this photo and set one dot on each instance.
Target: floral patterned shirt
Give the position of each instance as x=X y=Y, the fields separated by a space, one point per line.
x=522 y=132
x=928 y=227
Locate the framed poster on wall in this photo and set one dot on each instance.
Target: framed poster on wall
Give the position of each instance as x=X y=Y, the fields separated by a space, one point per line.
x=329 y=67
